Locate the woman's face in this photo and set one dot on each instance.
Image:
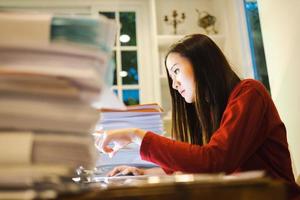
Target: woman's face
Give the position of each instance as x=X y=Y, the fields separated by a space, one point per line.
x=181 y=72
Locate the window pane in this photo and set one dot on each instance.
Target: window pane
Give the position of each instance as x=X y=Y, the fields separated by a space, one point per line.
x=256 y=42
x=131 y=97
x=110 y=15
x=128 y=29
x=116 y=92
x=129 y=71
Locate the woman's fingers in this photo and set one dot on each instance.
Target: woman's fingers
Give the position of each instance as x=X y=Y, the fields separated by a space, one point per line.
x=126 y=170
x=116 y=170
x=112 y=141
x=104 y=144
x=133 y=170
x=113 y=172
x=118 y=138
x=99 y=131
x=98 y=137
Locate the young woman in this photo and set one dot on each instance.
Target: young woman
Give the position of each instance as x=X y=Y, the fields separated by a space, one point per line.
x=220 y=123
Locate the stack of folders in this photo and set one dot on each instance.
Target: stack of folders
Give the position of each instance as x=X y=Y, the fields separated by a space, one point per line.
x=51 y=70
x=147 y=117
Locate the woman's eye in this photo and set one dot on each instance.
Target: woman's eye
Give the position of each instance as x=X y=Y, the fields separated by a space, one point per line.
x=176 y=71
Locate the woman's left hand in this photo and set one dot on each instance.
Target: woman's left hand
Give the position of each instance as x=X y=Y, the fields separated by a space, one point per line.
x=119 y=138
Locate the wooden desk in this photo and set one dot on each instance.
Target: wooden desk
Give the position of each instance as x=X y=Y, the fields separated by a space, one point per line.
x=258 y=189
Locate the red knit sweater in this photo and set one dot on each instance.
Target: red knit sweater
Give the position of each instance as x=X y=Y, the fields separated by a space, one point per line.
x=251 y=136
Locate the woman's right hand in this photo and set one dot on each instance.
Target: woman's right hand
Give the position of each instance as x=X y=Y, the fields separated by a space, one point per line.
x=126 y=170
x=119 y=138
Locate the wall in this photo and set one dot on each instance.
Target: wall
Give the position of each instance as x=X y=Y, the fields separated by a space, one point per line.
x=281 y=30
x=165 y=7
x=230 y=25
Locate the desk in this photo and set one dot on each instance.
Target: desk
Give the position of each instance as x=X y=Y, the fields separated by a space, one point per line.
x=258 y=189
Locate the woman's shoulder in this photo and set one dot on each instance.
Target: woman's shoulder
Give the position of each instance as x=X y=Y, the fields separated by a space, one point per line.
x=252 y=83
x=250 y=86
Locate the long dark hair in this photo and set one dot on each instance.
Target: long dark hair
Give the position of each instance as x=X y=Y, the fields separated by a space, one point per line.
x=214 y=80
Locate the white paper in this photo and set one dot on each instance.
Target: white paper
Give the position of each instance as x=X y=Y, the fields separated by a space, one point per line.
x=108 y=99
x=15 y=147
x=34 y=29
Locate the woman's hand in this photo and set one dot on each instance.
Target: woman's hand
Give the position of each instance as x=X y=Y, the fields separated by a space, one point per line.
x=126 y=170
x=119 y=138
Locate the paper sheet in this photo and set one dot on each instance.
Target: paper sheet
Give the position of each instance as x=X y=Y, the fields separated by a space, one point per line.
x=35 y=29
x=15 y=147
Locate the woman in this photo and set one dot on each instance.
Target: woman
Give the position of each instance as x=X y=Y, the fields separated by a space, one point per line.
x=220 y=123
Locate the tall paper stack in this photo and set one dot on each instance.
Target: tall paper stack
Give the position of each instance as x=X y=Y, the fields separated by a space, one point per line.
x=51 y=70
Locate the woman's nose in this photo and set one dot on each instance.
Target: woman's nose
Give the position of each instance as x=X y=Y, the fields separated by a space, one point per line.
x=175 y=84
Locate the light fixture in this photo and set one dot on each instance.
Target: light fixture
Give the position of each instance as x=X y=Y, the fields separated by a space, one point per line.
x=124 y=38
x=123 y=73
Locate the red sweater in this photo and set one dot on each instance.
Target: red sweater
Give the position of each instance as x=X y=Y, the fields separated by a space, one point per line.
x=251 y=136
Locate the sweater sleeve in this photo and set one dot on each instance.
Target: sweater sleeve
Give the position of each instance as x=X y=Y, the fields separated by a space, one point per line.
x=238 y=137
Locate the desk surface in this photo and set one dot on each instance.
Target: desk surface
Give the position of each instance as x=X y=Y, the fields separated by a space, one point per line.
x=258 y=189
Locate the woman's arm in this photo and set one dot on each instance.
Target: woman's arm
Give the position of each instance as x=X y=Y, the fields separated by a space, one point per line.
x=240 y=134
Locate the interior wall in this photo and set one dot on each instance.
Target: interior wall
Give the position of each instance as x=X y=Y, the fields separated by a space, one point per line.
x=189 y=25
x=281 y=30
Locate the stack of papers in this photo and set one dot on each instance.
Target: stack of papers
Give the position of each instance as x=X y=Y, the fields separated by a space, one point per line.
x=42 y=30
x=83 y=30
x=42 y=113
x=147 y=117
x=44 y=49
x=50 y=74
